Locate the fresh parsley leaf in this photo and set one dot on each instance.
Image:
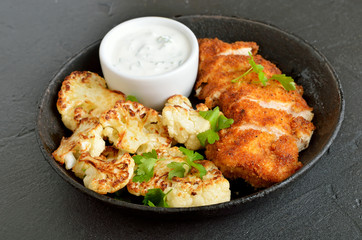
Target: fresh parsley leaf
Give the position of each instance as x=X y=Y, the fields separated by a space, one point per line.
x=155 y=198
x=209 y=135
x=287 y=82
x=224 y=122
x=152 y=154
x=131 y=98
x=177 y=169
x=211 y=116
x=192 y=156
x=145 y=164
x=217 y=122
x=256 y=67
x=263 y=79
x=149 y=203
x=200 y=168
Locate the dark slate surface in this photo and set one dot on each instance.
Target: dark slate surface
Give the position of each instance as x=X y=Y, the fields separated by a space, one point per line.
x=38 y=36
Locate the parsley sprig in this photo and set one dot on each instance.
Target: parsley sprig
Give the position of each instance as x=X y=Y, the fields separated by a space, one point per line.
x=177 y=168
x=155 y=197
x=145 y=164
x=286 y=81
x=217 y=122
x=131 y=98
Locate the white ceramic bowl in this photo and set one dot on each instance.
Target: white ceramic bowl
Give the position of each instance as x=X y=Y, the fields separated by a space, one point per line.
x=151 y=90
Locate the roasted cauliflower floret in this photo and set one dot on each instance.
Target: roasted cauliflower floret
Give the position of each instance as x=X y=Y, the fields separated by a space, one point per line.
x=87 y=137
x=188 y=191
x=134 y=128
x=107 y=173
x=84 y=95
x=183 y=122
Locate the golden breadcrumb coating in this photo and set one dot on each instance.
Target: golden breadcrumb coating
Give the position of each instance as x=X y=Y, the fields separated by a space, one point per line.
x=214 y=47
x=215 y=77
x=246 y=110
x=271 y=125
x=257 y=156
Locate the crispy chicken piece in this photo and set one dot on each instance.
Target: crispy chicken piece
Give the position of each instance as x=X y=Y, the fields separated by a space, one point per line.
x=259 y=157
x=271 y=125
x=107 y=173
x=87 y=138
x=214 y=47
x=183 y=122
x=134 y=128
x=270 y=116
x=216 y=75
x=84 y=95
x=273 y=95
x=213 y=54
x=189 y=191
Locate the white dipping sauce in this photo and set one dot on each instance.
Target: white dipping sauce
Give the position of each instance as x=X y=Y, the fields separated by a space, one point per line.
x=151 y=50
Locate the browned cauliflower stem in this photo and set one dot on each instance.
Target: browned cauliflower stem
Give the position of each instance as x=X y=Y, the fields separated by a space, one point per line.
x=97 y=114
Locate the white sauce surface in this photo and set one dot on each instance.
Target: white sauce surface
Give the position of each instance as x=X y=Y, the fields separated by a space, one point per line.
x=151 y=50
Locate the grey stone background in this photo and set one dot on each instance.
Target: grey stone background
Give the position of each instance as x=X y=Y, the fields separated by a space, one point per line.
x=38 y=36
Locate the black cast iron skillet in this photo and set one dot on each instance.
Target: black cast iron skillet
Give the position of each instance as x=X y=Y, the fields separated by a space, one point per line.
x=295 y=57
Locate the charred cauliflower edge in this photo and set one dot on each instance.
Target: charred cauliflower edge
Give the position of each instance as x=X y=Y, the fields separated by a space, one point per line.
x=96 y=114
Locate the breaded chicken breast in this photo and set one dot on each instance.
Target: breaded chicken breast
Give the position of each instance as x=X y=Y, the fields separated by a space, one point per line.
x=271 y=125
x=188 y=191
x=259 y=157
x=215 y=47
x=272 y=116
x=214 y=77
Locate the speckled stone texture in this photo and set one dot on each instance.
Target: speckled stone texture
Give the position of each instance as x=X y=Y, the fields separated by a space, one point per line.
x=38 y=36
